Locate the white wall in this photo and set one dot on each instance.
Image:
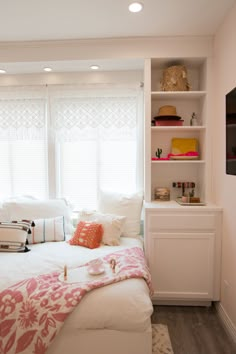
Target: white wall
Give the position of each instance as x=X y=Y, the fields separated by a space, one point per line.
x=70 y=78
x=100 y=49
x=105 y=49
x=225 y=185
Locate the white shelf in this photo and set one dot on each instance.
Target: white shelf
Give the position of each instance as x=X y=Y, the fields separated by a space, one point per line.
x=179 y=128
x=172 y=204
x=178 y=162
x=177 y=95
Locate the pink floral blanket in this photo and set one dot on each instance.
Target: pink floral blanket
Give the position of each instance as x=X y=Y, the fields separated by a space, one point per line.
x=33 y=311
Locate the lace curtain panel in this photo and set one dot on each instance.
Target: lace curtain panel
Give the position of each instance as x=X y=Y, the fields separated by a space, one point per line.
x=82 y=114
x=22 y=113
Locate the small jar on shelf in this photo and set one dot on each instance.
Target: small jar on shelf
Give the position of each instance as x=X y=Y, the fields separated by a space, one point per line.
x=194 y=121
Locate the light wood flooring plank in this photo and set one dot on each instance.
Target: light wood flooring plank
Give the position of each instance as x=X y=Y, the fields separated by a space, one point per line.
x=194 y=330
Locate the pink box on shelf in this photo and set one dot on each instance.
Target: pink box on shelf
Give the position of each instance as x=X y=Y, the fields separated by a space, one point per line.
x=169 y=122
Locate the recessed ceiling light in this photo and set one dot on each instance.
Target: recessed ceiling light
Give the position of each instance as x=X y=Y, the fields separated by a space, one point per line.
x=47 y=69
x=2 y=71
x=135 y=7
x=94 y=67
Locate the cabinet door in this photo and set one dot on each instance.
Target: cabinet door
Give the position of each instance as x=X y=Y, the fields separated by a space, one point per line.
x=182 y=265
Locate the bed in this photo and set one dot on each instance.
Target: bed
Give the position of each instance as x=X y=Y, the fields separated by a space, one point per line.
x=111 y=319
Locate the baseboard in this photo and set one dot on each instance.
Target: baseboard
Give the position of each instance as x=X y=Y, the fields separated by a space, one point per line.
x=181 y=302
x=227 y=323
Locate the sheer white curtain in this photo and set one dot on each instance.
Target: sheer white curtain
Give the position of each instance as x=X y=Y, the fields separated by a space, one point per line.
x=98 y=141
x=23 y=144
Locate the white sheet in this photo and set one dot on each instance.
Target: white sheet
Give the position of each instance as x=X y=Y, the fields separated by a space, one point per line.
x=122 y=306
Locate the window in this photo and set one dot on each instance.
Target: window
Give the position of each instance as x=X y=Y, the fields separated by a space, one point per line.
x=70 y=142
x=23 y=143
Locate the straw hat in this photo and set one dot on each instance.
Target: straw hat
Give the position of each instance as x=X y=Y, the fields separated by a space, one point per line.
x=167 y=112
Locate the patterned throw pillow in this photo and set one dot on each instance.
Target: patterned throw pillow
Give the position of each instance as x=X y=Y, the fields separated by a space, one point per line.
x=87 y=234
x=47 y=230
x=13 y=235
x=112 y=225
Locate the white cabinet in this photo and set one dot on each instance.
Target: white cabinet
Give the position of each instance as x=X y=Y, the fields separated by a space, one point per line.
x=182 y=245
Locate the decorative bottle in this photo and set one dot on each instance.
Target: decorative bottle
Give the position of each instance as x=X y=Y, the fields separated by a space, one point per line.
x=193 y=120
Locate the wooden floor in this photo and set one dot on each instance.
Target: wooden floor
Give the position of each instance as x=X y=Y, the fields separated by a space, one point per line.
x=194 y=330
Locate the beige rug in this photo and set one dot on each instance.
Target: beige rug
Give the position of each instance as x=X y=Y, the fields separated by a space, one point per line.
x=161 y=343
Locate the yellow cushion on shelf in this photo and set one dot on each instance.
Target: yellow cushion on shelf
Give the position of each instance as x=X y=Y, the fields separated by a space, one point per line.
x=182 y=145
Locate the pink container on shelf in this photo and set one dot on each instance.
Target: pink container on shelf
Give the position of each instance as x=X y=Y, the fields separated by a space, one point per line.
x=169 y=122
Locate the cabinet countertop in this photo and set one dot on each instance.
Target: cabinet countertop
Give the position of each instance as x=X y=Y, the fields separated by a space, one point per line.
x=173 y=205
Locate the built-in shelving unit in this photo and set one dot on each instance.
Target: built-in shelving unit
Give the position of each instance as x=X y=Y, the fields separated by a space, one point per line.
x=161 y=173
x=182 y=243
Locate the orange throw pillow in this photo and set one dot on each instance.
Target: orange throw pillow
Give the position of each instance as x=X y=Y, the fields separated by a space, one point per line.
x=87 y=234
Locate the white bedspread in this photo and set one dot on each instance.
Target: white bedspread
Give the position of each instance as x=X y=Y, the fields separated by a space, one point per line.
x=122 y=306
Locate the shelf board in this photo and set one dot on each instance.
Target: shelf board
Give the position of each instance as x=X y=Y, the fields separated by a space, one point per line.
x=178 y=95
x=180 y=128
x=178 y=161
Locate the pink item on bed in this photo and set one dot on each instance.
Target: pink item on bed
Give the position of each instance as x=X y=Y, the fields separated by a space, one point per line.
x=33 y=311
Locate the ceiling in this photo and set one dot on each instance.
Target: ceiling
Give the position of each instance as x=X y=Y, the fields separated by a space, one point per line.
x=33 y=20
x=23 y=20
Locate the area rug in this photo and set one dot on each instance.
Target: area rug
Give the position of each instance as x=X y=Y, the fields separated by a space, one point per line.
x=161 y=343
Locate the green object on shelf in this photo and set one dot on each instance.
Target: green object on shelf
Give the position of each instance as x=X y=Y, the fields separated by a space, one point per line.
x=158 y=153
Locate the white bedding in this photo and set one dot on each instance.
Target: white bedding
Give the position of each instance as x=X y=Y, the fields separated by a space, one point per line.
x=124 y=306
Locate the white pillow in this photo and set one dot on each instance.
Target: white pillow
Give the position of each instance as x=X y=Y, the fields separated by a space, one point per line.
x=129 y=206
x=3 y=214
x=31 y=209
x=47 y=230
x=112 y=225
